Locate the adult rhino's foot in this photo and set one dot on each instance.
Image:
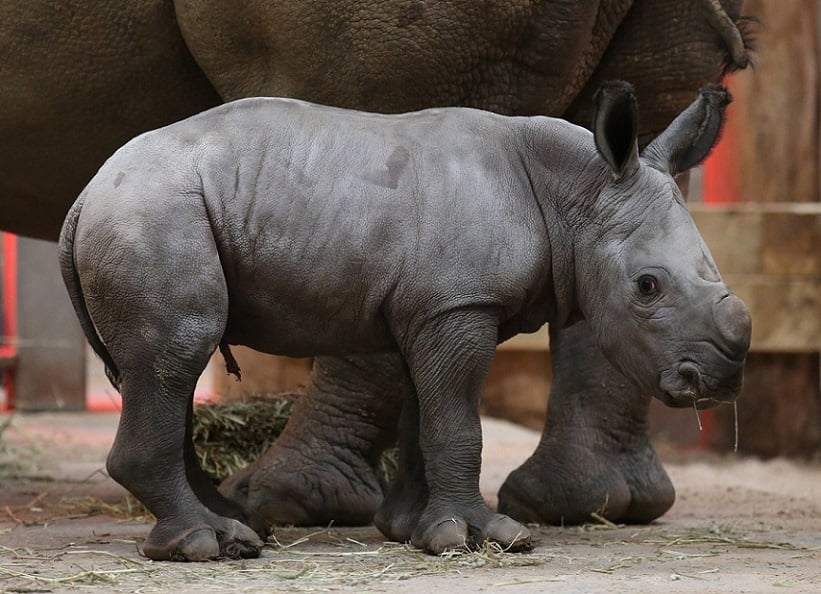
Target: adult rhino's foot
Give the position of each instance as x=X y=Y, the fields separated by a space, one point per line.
x=322 y=468
x=565 y=482
x=437 y=532
x=285 y=487
x=595 y=455
x=215 y=538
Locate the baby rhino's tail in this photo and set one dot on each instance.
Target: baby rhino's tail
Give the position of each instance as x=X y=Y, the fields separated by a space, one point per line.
x=65 y=248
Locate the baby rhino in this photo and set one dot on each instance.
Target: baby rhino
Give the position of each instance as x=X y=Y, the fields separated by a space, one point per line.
x=298 y=229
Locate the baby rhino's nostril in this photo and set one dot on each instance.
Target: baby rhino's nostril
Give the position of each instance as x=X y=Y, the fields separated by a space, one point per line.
x=689 y=372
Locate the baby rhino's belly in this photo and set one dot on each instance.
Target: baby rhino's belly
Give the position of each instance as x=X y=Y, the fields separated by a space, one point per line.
x=308 y=327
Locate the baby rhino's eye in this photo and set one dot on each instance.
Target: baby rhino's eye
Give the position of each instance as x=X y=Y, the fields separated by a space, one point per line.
x=648 y=285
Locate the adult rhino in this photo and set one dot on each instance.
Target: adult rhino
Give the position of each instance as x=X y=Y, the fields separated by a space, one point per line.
x=83 y=79
x=299 y=229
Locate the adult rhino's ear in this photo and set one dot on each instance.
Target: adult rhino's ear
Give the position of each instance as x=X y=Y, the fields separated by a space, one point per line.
x=615 y=127
x=691 y=136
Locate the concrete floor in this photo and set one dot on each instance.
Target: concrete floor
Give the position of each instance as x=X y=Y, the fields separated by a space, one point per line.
x=739 y=525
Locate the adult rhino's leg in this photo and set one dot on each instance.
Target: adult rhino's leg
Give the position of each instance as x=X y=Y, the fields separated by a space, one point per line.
x=321 y=469
x=595 y=454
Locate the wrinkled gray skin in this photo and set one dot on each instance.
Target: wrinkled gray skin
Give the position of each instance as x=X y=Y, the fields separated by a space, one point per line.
x=87 y=77
x=284 y=226
x=66 y=104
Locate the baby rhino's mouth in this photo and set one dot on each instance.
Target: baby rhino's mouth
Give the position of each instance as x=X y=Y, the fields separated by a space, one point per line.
x=686 y=400
x=687 y=386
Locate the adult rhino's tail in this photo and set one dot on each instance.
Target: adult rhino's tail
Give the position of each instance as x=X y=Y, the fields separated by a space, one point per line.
x=75 y=291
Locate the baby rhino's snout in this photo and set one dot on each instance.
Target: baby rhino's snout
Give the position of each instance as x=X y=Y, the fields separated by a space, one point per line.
x=716 y=375
x=721 y=381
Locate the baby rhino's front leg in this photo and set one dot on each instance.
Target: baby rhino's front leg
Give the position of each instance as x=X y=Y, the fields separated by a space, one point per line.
x=448 y=358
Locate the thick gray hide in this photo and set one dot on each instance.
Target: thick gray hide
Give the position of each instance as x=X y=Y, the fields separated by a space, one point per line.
x=298 y=229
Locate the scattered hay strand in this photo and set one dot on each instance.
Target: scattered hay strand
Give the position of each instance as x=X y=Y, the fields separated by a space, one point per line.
x=603 y=521
x=304 y=565
x=128 y=508
x=721 y=535
x=330 y=559
x=91 y=577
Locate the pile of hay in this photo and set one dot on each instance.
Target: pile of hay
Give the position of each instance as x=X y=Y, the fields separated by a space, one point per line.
x=230 y=435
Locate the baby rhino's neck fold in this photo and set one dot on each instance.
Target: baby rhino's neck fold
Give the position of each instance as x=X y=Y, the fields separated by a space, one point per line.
x=566 y=177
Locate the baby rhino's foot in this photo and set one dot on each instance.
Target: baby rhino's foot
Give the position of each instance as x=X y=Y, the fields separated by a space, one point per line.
x=508 y=533
x=404 y=504
x=453 y=532
x=395 y=523
x=170 y=541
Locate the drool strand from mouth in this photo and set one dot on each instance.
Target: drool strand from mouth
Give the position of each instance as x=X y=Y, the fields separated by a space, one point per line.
x=735 y=419
x=698 y=418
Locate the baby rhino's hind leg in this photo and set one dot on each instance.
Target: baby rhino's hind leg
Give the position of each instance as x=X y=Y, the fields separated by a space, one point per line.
x=206 y=491
x=161 y=314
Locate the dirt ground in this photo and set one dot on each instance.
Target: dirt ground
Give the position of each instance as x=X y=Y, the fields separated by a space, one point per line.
x=739 y=525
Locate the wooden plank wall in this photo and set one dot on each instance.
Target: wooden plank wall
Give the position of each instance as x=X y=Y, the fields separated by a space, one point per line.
x=775 y=117
x=777 y=130
x=770 y=255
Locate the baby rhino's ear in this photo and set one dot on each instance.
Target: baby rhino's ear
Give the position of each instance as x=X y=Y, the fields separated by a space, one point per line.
x=615 y=127
x=692 y=135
